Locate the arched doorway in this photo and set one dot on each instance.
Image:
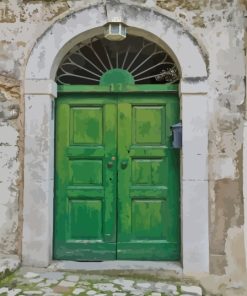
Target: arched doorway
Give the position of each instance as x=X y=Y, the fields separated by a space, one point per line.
x=116 y=173
x=40 y=90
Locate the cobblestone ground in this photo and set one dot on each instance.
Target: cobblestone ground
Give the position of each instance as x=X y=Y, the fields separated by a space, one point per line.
x=54 y=283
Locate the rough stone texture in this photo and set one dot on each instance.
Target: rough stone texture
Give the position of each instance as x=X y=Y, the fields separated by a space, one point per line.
x=182 y=4
x=96 y=284
x=228 y=193
x=8 y=264
x=10 y=171
x=219 y=28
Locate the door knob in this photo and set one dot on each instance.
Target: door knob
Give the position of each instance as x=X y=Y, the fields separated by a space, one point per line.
x=124 y=164
x=110 y=164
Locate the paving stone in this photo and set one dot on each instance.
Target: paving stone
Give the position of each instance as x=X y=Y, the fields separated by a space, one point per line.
x=3 y=290
x=51 y=282
x=31 y=275
x=53 y=275
x=84 y=283
x=71 y=283
x=36 y=280
x=195 y=290
x=143 y=285
x=41 y=285
x=105 y=287
x=129 y=289
x=53 y=294
x=47 y=283
x=78 y=291
x=172 y=288
x=127 y=285
x=47 y=290
x=14 y=292
x=60 y=289
x=32 y=292
x=123 y=282
x=91 y=292
x=66 y=284
x=164 y=287
x=72 y=278
x=137 y=293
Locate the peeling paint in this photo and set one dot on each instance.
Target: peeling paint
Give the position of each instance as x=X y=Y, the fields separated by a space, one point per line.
x=6 y=14
x=218 y=26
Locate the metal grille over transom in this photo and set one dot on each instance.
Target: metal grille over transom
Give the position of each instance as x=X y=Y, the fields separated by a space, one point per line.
x=147 y=62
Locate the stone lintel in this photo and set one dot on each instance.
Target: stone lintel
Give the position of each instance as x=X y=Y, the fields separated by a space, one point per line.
x=40 y=87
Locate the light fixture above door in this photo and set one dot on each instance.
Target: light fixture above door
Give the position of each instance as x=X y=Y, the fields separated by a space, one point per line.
x=115 y=30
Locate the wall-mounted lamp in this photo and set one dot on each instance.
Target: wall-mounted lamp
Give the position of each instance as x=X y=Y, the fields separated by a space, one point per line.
x=115 y=30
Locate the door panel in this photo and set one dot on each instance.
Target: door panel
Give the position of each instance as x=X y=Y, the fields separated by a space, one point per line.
x=85 y=212
x=147 y=223
x=117 y=178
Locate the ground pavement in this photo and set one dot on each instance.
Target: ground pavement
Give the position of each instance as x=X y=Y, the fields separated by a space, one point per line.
x=55 y=283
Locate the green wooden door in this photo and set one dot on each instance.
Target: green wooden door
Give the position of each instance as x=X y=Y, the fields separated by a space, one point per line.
x=85 y=207
x=148 y=179
x=117 y=177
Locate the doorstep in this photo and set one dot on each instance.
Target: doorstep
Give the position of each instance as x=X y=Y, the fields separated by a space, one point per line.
x=117 y=265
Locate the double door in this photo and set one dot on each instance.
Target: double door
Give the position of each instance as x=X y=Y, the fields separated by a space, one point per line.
x=116 y=177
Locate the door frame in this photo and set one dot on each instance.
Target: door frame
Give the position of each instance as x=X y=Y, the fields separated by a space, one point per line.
x=37 y=244
x=40 y=89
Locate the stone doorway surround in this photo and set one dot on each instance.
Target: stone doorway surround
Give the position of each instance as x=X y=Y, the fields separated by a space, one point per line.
x=40 y=91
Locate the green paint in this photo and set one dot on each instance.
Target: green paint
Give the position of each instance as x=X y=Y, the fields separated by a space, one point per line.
x=145 y=211
x=116 y=76
x=115 y=88
x=85 y=206
x=117 y=177
x=87 y=125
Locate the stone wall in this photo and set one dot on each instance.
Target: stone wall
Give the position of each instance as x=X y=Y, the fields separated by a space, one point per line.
x=219 y=28
x=11 y=152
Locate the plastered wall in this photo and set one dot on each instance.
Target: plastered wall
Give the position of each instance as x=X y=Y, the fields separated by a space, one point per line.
x=219 y=28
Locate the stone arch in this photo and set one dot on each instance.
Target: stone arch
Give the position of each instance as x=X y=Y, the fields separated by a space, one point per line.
x=40 y=90
x=63 y=35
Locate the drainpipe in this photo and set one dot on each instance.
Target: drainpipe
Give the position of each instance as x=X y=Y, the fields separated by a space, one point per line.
x=245 y=146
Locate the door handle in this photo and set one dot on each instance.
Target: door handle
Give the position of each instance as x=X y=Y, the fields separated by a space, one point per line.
x=124 y=164
x=110 y=164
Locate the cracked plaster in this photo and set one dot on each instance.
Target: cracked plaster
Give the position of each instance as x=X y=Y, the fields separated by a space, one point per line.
x=219 y=27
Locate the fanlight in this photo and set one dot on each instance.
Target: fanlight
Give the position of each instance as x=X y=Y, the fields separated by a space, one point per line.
x=147 y=62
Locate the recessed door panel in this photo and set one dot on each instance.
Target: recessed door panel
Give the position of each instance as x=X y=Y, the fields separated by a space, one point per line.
x=81 y=214
x=86 y=172
x=86 y=125
x=148 y=125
